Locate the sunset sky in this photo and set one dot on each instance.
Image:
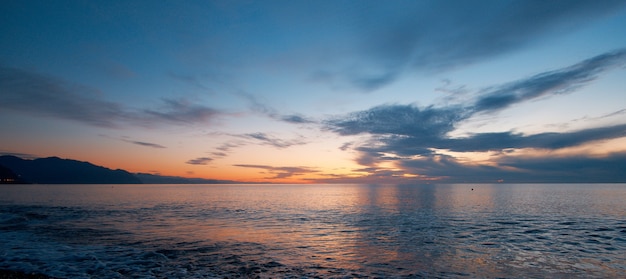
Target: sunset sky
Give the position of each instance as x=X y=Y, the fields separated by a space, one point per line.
x=320 y=91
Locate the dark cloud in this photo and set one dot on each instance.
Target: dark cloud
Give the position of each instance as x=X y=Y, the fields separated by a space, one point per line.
x=199 y=161
x=409 y=130
x=411 y=136
x=183 y=111
x=345 y=146
x=438 y=35
x=296 y=119
x=33 y=93
x=147 y=144
x=576 y=168
x=480 y=142
x=500 y=141
x=280 y=172
x=447 y=169
x=430 y=124
x=272 y=141
x=264 y=109
x=219 y=154
x=404 y=120
x=226 y=147
x=554 y=82
x=557 y=169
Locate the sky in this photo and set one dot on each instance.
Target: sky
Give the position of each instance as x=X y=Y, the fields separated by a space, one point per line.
x=320 y=91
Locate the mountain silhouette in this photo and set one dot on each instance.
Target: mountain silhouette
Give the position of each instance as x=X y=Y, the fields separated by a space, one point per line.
x=159 y=179
x=8 y=177
x=54 y=170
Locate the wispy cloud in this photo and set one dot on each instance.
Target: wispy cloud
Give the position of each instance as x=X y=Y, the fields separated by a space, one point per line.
x=296 y=119
x=241 y=140
x=128 y=140
x=261 y=108
x=552 y=140
x=465 y=34
x=227 y=147
x=29 y=92
x=273 y=141
x=615 y=113
x=188 y=79
x=548 y=83
x=16 y=154
x=199 y=161
x=183 y=111
x=146 y=144
x=280 y=172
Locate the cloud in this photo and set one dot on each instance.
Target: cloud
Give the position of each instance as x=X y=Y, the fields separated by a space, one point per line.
x=188 y=79
x=240 y=140
x=199 y=161
x=183 y=111
x=500 y=141
x=272 y=141
x=296 y=119
x=226 y=147
x=29 y=92
x=147 y=144
x=219 y=154
x=345 y=146
x=37 y=94
x=447 y=169
x=411 y=137
x=480 y=142
x=280 y=172
x=17 y=154
x=430 y=124
x=410 y=130
x=544 y=169
x=432 y=36
x=557 y=169
x=264 y=109
x=615 y=113
x=576 y=168
x=553 y=82
x=405 y=120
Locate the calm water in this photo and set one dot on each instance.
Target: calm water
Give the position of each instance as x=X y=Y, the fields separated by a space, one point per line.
x=323 y=231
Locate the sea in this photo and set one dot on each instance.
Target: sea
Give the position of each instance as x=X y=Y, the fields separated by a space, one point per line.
x=315 y=231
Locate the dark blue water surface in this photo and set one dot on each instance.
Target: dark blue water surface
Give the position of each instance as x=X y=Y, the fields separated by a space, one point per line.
x=315 y=231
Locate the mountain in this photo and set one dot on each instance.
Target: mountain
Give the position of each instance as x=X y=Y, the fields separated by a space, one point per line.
x=8 y=177
x=158 y=179
x=54 y=170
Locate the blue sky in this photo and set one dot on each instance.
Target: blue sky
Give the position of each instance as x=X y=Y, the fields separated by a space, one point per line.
x=320 y=91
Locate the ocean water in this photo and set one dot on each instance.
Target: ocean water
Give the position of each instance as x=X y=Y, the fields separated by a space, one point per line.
x=315 y=231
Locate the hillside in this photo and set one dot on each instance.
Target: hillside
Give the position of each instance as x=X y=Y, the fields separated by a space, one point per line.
x=8 y=177
x=54 y=170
